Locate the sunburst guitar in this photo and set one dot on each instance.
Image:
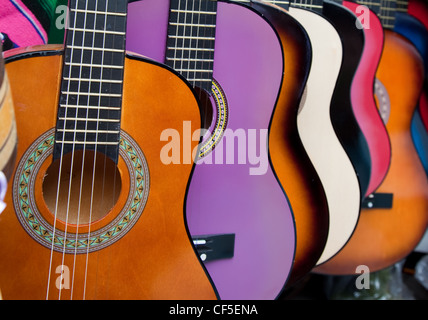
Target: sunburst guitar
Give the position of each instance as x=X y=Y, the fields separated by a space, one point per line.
x=289 y=158
x=92 y=211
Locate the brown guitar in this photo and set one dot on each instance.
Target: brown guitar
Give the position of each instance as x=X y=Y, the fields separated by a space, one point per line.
x=8 y=137
x=93 y=213
x=396 y=217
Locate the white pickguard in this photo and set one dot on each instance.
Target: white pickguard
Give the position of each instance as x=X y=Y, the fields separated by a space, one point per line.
x=330 y=160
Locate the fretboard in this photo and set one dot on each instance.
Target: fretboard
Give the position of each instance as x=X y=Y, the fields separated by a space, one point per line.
x=402 y=5
x=373 y=5
x=191 y=40
x=387 y=13
x=280 y=3
x=90 y=102
x=314 y=5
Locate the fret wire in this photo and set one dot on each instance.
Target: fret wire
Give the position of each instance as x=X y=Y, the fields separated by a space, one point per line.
x=97 y=31
x=192 y=37
x=193 y=70
x=193 y=49
x=96 y=49
x=93 y=65
x=87 y=119
x=89 y=131
x=194 y=25
x=199 y=80
x=191 y=59
x=108 y=143
x=100 y=94
x=94 y=80
x=90 y=107
x=121 y=14
x=198 y=12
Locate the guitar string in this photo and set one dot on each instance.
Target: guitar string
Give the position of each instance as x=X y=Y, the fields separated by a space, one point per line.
x=206 y=98
x=175 y=49
x=59 y=175
x=78 y=91
x=84 y=148
x=96 y=150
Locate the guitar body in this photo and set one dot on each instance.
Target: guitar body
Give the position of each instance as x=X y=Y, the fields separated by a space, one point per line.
x=289 y=158
x=140 y=249
x=363 y=101
x=385 y=236
x=317 y=133
x=8 y=136
x=237 y=197
x=413 y=30
x=342 y=110
x=420 y=139
x=419 y=10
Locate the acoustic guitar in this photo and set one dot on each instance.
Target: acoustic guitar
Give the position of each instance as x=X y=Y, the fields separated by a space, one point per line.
x=231 y=54
x=419 y=10
x=292 y=165
x=315 y=127
x=362 y=90
x=343 y=107
x=395 y=224
x=8 y=135
x=94 y=213
x=414 y=30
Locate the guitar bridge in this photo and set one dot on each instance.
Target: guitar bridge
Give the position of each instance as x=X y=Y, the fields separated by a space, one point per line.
x=378 y=201
x=215 y=247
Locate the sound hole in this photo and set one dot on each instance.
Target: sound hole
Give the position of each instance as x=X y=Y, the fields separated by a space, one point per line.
x=206 y=108
x=82 y=187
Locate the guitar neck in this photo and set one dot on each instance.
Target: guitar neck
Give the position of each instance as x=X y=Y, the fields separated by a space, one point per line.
x=90 y=101
x=402 y=5
x=373 y=5
x=191 y=40
x=314 y=5
x=387 y=13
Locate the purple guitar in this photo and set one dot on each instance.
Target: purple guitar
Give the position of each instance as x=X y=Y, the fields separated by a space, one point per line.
x=237 y=213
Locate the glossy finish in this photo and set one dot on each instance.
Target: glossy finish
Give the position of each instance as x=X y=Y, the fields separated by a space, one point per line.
x=239 y=197
x=363 y=101
x=342 y=107
x=155 y=259
x=289 y=158
x=317 y=133
x=413 y=30
x=385 y=236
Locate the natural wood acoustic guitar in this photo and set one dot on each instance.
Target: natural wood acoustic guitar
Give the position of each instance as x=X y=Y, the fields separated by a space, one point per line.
x=92 y=211
x=232 y=55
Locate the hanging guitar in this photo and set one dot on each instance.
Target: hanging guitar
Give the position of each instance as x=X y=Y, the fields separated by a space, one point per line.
x=393 y=226
x=94 y=213
x=233 y=57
